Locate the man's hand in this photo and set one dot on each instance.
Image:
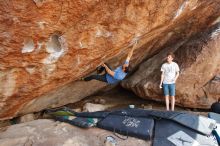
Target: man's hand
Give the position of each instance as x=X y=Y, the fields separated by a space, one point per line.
x=160 y=85
x=135 y=42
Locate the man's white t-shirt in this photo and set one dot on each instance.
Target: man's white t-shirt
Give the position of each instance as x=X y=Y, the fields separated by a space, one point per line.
x=170 y=70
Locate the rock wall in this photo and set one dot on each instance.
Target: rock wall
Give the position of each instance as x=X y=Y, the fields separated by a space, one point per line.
x=46 y=45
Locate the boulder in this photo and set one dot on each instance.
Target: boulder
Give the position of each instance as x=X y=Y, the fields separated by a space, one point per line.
x=91 y=107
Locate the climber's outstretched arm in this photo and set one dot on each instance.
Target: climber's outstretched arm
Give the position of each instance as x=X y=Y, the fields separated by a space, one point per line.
x=131 y=52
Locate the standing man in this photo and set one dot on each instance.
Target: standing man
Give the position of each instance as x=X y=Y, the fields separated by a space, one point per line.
x=170 y=73
x=113 y=76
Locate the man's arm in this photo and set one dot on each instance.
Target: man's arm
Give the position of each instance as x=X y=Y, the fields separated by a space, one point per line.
x=109 y=71
x=177 y=75
x=162 y=78
x=177 y=72
x=131 y=52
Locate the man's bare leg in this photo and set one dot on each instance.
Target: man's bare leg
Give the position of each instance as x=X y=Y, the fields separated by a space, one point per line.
x=167 y=103
x=172 y=102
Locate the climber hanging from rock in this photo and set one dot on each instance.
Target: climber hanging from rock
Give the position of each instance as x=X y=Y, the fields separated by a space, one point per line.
x=112 y=76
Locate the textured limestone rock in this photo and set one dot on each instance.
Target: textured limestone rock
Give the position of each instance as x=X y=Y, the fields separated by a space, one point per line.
x=45 y=45
x=212 y=88
x=50 y=133
x=27 y=118
x=69 y=93
x=199 y=61
x=91 y=107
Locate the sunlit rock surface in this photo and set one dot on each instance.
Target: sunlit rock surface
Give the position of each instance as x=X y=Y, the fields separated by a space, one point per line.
x=49 y=133
x=47 y=45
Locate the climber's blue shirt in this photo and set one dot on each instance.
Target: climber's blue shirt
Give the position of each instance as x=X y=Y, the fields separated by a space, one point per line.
x=118 y=76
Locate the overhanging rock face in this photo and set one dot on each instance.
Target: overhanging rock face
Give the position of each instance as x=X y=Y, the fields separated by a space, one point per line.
x=46 y=45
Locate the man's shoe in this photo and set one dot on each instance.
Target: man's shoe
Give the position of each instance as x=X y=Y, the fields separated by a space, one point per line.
x=100 y=69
